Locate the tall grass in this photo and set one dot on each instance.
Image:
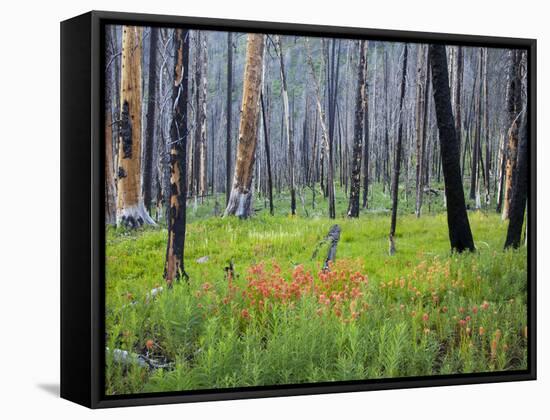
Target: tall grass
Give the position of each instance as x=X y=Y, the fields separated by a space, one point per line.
x=280 y=320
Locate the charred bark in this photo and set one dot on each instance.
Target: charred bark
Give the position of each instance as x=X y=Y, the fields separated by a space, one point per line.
x=229 y=106
x=131 y=212
x=460 y=234
x=513 y=103
x=268 y=158
x=150 y=120
x=518 y=203
x=174 y=267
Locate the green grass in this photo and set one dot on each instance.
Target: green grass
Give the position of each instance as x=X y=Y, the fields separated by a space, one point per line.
x=421 y=312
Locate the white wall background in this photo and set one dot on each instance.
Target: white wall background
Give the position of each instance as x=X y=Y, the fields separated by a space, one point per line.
x=29 y=210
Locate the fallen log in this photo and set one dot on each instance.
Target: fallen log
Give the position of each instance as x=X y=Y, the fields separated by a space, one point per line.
x=332 y=237
x=127 y=358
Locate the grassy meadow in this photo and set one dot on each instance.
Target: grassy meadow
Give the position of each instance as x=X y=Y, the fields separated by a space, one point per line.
x=279 y=319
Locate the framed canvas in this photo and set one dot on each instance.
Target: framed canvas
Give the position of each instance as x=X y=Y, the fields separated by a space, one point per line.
x=254 y=209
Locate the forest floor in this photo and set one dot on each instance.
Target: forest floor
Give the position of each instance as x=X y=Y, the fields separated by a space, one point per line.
x=279 y=319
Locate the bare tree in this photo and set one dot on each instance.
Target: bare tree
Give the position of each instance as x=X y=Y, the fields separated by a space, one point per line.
x=130 y=209
x=360 y=121
x=288 y=126
x=229 y=106
x=398 y=148
x=240 y=200
x=460 y=234
x=174 y=267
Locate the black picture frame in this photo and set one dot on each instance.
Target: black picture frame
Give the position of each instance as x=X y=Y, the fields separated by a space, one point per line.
x=82 y=209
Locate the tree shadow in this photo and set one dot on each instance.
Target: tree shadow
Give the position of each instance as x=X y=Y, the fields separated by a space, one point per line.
x=52 y=389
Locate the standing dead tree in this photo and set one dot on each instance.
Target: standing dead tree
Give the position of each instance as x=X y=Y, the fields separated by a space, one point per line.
x=421 y=122
x=513 y=107
x=131 y=212
x=147 y=179
x=397 y=162
x=360 y=122
x=518 y=203
x=324 y=133
x=229 y=106
x=174 y=267
x=288 y=126
x=240 y=200
x=460 y=234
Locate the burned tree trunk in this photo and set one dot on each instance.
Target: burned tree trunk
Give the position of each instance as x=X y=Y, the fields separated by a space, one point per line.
x=421 y=123
x=202 y=92
x=110 y=188
x=240 y=200
x=487 y=164
x=229 y=102
x=513 y=101
x=267 y=158
x=366 y=132
x=397 y=162
x=150 y=120
x=518 y=203
x=458 y=93
x=130 y=209
x=360 y=120
x=110 y=204
x=460 y=234
x=288 y=127
x=476 y=147
x=501 y=174
x=324 y=135
x=174 y=267
x=333 y=236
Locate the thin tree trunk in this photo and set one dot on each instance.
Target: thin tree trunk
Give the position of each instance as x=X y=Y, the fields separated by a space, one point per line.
x=397 y=162
x=475 y=145
x=150 y=120
x=110 y=204
x=366 y=151
x=324 y=134
x=360 y=119
x=203 y=89
x=229 y=102
x=458 y=93
x=502 y=174
x=288 y=126
x=421 y=124
x=487 y=165
x=268 y=158
x=110 y=187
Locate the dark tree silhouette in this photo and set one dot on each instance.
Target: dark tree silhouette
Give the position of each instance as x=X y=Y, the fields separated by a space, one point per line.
x=460 y=233
x=397 y=161
x=150 y=120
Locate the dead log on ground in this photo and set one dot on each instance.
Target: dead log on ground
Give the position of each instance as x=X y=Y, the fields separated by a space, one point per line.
x=332 y=237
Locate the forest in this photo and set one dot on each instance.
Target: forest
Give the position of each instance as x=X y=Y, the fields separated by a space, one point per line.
x=288 y=209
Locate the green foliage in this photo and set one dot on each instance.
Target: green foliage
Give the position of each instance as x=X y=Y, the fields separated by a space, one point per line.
x=423 y=311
